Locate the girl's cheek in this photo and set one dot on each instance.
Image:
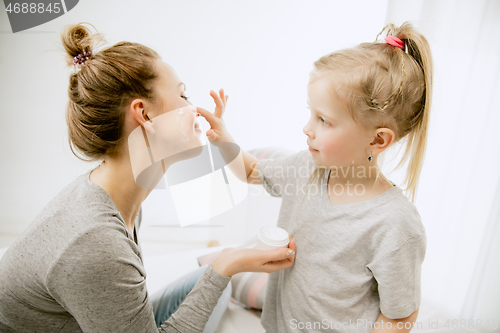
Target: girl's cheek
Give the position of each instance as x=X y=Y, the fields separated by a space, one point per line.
x=321 y=144
x=333 y=153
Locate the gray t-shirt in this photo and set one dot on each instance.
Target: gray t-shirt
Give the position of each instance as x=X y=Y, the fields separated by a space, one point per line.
x=353 y=260
x=77 y=268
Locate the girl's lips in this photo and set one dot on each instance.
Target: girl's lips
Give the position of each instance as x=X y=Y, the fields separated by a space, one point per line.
x=311 y=149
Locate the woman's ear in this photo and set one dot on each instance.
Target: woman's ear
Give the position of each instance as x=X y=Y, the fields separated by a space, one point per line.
x=140 y=115
x=383 y=137
x=137 y=109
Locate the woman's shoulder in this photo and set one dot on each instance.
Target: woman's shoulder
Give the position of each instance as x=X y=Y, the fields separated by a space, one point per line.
x=76 y=210
x=78 y=206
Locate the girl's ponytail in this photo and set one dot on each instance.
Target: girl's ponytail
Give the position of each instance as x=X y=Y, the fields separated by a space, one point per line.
x=416 y=130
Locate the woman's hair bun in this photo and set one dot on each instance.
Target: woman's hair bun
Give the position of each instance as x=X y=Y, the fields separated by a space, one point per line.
x=78 y=38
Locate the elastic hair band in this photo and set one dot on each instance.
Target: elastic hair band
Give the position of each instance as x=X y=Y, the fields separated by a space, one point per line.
x=395 y=41
x=81 y=58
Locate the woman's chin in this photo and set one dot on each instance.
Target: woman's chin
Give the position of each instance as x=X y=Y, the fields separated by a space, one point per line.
x=195 y=143
x=198 y=138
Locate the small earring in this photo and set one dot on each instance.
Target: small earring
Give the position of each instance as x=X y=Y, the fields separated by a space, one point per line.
x=370 y=157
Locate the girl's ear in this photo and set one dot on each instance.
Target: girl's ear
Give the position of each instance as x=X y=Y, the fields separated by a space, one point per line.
x=383 y=138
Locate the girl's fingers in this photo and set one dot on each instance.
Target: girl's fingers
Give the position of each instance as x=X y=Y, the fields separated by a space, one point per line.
x=219 y=109
x=222 y=97
x=209 y=116
x=217 y=99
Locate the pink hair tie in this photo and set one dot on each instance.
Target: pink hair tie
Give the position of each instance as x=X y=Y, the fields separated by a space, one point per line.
x=395 y=41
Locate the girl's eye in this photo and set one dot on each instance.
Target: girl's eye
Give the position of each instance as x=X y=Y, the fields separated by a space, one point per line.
x=323 y=120
x=185 y=97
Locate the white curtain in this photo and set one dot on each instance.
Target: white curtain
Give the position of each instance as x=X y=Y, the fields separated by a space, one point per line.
x=459 y=192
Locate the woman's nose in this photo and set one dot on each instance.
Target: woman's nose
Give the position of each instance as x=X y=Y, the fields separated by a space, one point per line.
x=196 y=114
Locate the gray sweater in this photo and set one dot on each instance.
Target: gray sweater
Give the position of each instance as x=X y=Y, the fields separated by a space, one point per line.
x=76 y=268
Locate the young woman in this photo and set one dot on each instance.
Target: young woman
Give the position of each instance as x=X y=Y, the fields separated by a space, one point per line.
x=78 y=267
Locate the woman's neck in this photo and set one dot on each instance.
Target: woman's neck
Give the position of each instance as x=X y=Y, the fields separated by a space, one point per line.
x=116 y=178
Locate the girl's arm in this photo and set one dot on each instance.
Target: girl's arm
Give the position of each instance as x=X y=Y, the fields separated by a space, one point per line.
x=219 y=133
x=251 y=164
x=386 y=325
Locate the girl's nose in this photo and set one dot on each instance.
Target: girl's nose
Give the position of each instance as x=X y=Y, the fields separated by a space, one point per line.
x=307 y=131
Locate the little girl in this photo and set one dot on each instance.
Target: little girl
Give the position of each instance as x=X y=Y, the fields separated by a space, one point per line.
x=360 y=240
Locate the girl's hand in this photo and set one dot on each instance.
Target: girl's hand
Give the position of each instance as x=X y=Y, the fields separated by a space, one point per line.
x=231 y=261
x=217 y=131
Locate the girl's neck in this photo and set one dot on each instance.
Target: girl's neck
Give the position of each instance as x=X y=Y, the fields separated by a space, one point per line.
x=355 y=174
x=355 y=183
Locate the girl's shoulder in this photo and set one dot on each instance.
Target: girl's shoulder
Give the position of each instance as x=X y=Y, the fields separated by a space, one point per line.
x=401 y=216
x=293 y=164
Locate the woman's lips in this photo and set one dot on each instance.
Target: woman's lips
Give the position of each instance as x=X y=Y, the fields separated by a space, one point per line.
x=197 y=126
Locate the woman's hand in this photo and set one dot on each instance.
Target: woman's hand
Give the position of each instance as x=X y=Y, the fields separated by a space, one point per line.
x=232 y=261
x=218 y=131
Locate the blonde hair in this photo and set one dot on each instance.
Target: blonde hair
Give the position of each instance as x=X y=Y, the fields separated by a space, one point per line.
x=386 y=87
x=99 y=91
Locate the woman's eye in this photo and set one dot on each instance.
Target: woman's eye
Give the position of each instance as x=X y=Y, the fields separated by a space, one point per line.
x=185 y=97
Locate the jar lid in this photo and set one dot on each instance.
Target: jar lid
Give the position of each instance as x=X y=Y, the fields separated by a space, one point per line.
x=273 y=236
